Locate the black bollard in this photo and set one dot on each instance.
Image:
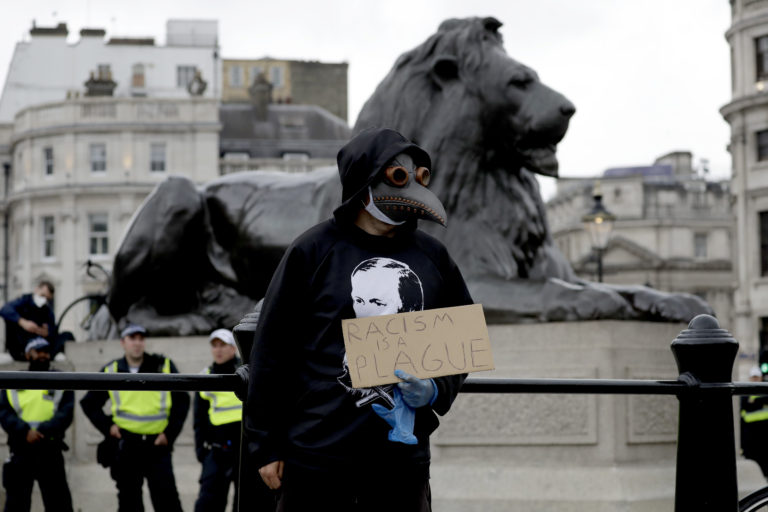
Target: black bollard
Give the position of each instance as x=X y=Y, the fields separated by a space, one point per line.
x=246 y=501
x=706 y=454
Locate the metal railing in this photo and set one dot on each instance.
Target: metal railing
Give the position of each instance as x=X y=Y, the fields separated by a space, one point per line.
x=705 y=353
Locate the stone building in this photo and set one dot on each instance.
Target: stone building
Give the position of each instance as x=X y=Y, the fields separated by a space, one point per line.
x=88 y=129
x=290 y=138
x=47 y=68
x=80 y=170
x=673 y=229
x=86 y=132
x=293 y=81
x=747 y=114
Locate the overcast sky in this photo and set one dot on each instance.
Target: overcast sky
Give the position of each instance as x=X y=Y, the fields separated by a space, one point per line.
x=647 y=77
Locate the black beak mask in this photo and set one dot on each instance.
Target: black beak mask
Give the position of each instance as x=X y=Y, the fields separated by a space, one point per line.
x=400 y=193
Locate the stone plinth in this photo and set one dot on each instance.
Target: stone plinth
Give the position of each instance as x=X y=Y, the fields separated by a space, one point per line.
x=541 y=452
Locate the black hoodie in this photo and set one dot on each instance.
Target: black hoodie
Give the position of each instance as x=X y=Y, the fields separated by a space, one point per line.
x=300 y=408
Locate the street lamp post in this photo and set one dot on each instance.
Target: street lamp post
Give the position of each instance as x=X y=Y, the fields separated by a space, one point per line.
x=599 y=224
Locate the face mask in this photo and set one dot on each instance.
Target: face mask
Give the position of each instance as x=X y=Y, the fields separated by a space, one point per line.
x=39 y=300
x=39 y=365
x=401 y=193
x=373 y=210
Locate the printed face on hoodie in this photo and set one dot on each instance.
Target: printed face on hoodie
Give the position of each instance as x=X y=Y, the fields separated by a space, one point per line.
x=383 y=286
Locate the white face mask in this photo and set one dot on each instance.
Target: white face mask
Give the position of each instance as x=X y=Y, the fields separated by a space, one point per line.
x=39 y=300
x=374 y=210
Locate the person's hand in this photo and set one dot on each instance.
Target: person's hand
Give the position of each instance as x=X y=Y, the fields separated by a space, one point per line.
x=416 y=392
x=114 y=431
x=33 y=436
x=161 y=439
x=401 y=418
x=272 y=474
x=43 y=330
x=30 y=326
x=241 y=392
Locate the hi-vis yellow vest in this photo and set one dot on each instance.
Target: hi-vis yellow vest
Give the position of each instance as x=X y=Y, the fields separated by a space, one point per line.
x=141 y=412
x=754 y=416
x=34 y=406
x=224 y=406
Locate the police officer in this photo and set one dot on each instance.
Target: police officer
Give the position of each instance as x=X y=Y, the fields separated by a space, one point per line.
x=146 y=423
x=218 y=416
x=35 y=420
x=754 y=425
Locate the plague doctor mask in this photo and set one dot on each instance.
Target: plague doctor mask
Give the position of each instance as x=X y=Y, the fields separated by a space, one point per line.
x=400 y=193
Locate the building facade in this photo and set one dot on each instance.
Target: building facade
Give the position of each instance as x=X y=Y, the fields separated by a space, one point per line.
x=48 y=69
x=673 y=229
x=292 y=81
x=747 y=114
x=87 y=130
x=80 y=170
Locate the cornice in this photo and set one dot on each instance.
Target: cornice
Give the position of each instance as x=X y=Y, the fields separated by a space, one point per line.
x=741 y=103
x=102 y=128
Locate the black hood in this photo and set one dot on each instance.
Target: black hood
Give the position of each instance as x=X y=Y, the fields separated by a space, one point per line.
x=363 y=158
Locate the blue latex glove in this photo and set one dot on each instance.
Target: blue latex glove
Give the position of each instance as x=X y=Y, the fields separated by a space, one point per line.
x=416 y=392
x=401 y=418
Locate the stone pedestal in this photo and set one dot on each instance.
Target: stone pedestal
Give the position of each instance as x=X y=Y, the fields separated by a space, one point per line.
x=541 y=452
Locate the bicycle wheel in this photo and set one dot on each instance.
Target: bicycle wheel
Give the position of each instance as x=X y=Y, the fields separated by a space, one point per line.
x=755 y=502
x=78 y=315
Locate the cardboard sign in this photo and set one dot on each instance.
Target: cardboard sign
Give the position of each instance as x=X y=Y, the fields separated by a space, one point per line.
x=426 y=344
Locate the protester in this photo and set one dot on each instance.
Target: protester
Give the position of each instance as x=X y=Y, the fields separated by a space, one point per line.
x=312 y=435
x=145 y=425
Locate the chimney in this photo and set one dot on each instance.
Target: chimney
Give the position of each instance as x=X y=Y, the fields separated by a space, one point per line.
x=59 y=30
x=101 y=84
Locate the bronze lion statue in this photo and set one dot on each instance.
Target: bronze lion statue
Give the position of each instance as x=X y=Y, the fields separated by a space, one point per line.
x=195 y=259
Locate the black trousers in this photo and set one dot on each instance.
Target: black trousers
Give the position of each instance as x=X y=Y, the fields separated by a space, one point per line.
x=44 y=464
x=307 y=492
x=138 y=460
x=220 y=469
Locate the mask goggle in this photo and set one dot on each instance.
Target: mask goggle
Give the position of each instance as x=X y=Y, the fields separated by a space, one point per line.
x=398 y=176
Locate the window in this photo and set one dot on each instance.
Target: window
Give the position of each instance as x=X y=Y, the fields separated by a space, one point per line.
x=763 y=243
x=157 y=157
x=296 y=157
x=184 y=75
x=105 y=73
x=48 y=161
x=761 y=55
x=137 y=76
x=98 y=234
x=762 y=145
x=48 y=237
x=98 y=157
x=763 y=337
x=235 y=76
x=276 y=76
x=699 y=245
